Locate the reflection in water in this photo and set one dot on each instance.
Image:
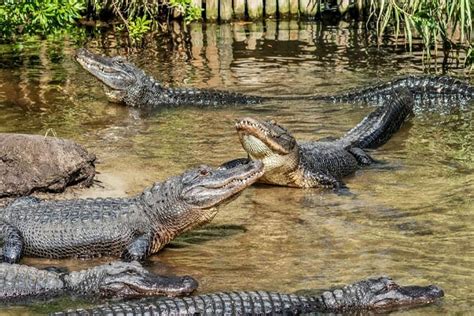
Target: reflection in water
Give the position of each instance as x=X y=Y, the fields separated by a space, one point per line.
x=410 y=217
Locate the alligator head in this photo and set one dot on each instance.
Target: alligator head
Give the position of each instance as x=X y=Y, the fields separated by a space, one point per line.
x=380 y=294
x=116 y=73
x=191 y=199
x=269 y=142
x=127 y=280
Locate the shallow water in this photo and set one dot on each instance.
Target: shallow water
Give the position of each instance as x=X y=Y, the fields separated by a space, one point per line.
x=410 y=218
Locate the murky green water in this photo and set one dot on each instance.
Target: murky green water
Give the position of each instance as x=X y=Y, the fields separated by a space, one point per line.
x=411 y=219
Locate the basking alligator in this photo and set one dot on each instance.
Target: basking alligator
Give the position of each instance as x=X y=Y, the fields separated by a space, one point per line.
x=320 y=163
x=31 y=163
x=371 y=295
x=128 y=84
x=132 y=228
x=19 y=283
x=426 y=89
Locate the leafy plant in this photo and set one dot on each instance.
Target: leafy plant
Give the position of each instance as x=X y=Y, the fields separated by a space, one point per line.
x=138 y=27
x=446 y=21
x=186 y=9
x=38 y=16
x=193 y=13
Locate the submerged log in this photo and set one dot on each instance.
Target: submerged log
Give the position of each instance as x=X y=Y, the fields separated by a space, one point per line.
x=30 y=163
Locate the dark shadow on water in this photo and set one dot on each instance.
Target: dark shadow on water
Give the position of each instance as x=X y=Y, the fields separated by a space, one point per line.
x=206 y=233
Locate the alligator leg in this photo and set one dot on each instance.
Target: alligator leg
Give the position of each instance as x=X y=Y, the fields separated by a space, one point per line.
x=138 y=249
x=12 y=243
x=361 y=156
x=321 y=179
x=25 y=201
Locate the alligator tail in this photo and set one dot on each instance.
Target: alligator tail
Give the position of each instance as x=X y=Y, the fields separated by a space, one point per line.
x=377 y=127
x=421 y=86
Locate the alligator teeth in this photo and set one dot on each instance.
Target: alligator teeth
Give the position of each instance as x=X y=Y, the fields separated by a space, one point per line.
x=244 y=180
x=254 y=125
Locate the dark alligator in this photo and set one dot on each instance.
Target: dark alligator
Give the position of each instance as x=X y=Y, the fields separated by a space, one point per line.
x=20 y=283
x=372 y=295
x=30 y=163
x=128 y=84
x=427 y=90
x=320 y=163
x=132 y=228
x=421 y=86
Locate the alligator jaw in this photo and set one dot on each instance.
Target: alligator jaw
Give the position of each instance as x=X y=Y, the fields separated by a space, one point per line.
x=149 y=285
x=218 y=186
x=116 y=73
x=409 y=296
x=256 y=135
x=383 y=294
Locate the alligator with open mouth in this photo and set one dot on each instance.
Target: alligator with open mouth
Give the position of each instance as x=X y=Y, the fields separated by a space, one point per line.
x=321 y=163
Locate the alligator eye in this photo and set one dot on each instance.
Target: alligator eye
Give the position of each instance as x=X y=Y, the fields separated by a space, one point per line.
x=203 y=172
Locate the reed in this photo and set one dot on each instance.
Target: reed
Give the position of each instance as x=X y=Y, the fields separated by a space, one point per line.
x=444 y=24
x=445 y=21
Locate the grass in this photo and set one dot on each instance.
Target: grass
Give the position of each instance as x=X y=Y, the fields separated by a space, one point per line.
x=444 y=22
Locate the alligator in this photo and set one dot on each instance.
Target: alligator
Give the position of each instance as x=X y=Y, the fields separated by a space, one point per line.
x=133 y=227
x=126 y=83
x=374 y=295
x=20 y=283
x=322 y=163
x=429 y=91
x=30 y=163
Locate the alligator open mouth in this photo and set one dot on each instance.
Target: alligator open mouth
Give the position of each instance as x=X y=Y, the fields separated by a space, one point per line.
x=246 y=178
x=251 y=131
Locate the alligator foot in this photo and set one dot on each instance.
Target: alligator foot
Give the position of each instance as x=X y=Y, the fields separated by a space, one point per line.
x=361 y=156
x=138 y=249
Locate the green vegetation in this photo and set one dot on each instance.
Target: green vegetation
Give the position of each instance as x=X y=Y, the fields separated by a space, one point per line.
x=141 y=16
x=138 y=27
x=38 y=16
x=440 y=23
x=448 y=22
x=44 y=17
